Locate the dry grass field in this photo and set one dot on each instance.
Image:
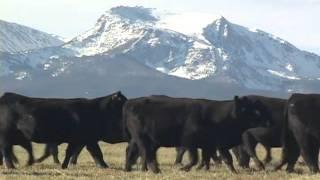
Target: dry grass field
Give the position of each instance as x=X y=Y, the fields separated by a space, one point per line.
x=114 y=155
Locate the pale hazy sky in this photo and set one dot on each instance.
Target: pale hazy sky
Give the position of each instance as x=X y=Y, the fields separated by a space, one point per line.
x=297 y=21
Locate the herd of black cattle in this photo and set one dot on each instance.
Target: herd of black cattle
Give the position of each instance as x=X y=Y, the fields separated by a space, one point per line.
x=148 y=123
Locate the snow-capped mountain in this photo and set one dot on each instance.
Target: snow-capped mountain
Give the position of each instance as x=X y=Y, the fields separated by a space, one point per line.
x=193 y=46
x=171 y=44
x=16 y=38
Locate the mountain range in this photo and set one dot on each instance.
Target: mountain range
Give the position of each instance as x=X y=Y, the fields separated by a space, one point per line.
x=16 y=38
x=145 y=51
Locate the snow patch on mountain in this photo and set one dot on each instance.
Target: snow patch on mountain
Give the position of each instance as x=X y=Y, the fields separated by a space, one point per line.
x=281 y=74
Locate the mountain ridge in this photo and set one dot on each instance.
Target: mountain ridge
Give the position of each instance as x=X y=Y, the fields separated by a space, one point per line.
x=16 y=38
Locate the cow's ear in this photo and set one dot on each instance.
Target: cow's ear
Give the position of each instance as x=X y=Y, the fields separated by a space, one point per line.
x=119 y=93
x=236 y=99
x=115 y=96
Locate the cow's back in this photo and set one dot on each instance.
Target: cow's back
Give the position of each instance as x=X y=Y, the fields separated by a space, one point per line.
x=54 y=119
x=275 y=106
x=163 y=118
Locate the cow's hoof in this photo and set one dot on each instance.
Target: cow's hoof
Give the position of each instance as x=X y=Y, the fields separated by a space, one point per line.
x=156 y=171
x=186 y=168
x=200 y=167
x=144 y=168
x=127 y=169
x=30 y=163
x=234 y=172
x=267 y=161
x=178 y=164
x=64 y=166
x=275 y=168
x=314 y=170
x=10 y=166
x=260 y=166
x=245 y=167
x=102 y=166
x=290 y=168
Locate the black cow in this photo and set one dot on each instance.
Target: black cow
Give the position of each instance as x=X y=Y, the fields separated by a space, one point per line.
x=269 y=137
x=301 y=131
x=78 y=122
x=153 y=122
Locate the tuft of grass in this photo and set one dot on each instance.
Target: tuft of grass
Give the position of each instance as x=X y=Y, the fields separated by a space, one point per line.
x=114 y=155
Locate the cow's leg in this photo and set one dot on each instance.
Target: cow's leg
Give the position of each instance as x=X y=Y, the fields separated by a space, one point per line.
x=206 y=153
x=180 y=152
x=148 y=153
x=45 y=155
x=292 y=158
x=75 y=155
x=144 y=166
x=28 y=147
x=204 y=156
x=268 y=157
x=227 y=159
x=290 y=153
x=236 y=151
x=216 y=159
x=249 y=145
x=309 y=151
x=193 y=154
x=96 y=154
x=132 y=154
x=14 y=157
x=71 y=148
x=242 y=157
x=54 y=152
x=6 y=153
x=1 y=158
x=151 y=159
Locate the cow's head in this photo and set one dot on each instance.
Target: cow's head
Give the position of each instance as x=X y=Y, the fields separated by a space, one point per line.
x=118 y=98
x=113 y=109
x=251 y=112
x=115 y=104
